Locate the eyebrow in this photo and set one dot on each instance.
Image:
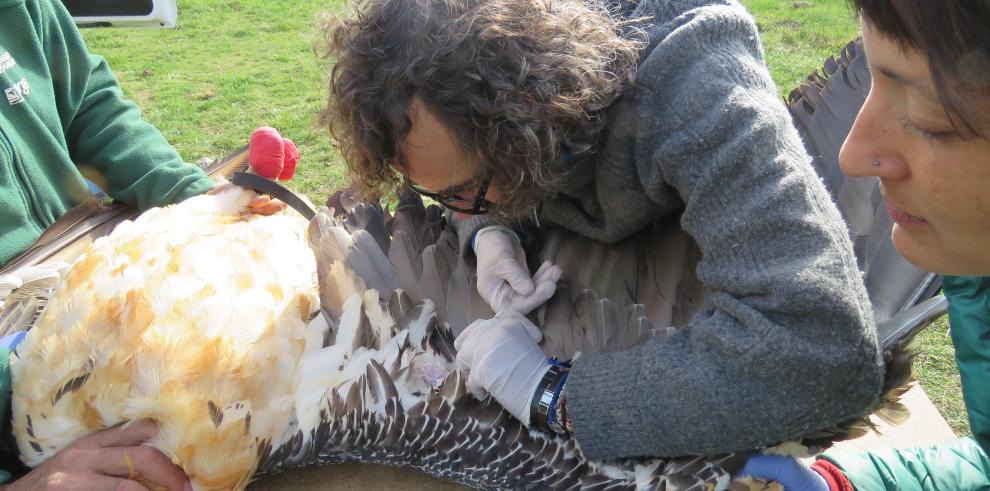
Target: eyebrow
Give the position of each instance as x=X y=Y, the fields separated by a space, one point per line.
x=910 y=82
x=457 y=188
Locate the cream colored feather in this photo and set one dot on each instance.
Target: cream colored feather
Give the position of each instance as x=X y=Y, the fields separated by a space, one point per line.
x=194 y=316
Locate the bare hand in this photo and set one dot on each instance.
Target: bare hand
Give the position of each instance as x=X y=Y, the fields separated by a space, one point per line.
x=113 y=460
x=265 y=205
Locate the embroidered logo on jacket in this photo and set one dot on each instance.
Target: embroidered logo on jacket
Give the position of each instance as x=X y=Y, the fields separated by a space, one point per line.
x=6 y=62
x=16 y=93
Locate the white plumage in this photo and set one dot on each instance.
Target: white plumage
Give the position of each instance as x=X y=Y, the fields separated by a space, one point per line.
x=193 y=316
x=207 y=320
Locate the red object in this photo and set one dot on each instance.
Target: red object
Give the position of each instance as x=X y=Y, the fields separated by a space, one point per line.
x=271 y=155
x=836 y=479
x=291 y=159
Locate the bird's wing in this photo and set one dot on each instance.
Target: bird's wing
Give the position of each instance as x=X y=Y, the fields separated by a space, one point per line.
x=24 y=293
x=824 y=108
x=385 y=388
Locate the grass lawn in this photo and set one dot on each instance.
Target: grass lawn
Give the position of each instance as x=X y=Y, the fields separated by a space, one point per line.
x=233 y=65
x=229 y=67
x=799 y=35
x=936 y=368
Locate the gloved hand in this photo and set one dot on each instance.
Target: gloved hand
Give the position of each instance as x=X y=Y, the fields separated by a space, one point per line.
x=787 y=471
x=503 y=278
x=503 y=359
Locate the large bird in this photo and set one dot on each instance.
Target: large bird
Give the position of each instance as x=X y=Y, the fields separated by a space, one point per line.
x=208 y=320
x=343 y=327
x=193 y=316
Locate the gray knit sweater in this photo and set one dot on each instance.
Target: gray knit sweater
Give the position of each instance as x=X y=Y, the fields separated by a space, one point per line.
x=788 y=344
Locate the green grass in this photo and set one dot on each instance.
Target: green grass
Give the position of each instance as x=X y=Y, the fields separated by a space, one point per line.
x=233 y=65
x=936 y=368
x=229 y=67
x=799 y=35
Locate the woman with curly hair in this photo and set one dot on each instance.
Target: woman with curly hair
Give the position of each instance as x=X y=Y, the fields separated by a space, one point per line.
x=924 y=131
x=603 y=117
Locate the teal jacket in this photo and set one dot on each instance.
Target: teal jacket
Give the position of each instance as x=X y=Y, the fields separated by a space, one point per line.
x=62 y=116
x=963 y=464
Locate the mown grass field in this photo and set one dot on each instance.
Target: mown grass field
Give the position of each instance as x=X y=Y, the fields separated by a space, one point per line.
x=233 y=65
x=230 y=66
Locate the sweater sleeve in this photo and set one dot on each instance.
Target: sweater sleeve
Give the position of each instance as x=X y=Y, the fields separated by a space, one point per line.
x=106 y=136
x=788 y=344
x=466 y=228
x=961 y=464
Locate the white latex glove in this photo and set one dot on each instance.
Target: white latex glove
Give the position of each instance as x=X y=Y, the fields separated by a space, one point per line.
x=503 y=359
x=503 y=278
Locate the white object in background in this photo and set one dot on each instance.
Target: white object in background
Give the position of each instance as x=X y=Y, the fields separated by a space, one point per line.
x=123 y=13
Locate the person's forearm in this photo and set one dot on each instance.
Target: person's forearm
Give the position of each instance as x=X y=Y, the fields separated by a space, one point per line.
x=105 y=134
x=786 y=344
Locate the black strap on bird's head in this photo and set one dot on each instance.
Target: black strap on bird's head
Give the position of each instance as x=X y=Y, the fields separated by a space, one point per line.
x=273 y=189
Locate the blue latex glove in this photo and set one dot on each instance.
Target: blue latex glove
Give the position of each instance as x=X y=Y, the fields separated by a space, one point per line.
x=787 y=471
x=10 y=342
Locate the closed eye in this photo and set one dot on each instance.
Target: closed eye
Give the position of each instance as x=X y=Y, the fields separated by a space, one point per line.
x=912 y=128
x=455 y=191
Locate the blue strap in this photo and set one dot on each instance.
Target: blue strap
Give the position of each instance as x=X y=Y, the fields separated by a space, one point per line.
x=552 y=411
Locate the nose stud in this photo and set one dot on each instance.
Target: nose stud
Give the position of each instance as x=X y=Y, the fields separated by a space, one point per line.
x=876 y=163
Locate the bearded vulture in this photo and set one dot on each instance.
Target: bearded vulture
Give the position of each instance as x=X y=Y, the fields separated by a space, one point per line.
x=261 y=344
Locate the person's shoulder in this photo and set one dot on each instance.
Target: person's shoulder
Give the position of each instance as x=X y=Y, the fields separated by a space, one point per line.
x=693 y=31
x=25 y=16
x=669 y=14
x=34 y=8
x=44 y=15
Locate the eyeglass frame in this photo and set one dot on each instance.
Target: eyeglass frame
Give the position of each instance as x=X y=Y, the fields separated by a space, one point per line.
x=479 y=205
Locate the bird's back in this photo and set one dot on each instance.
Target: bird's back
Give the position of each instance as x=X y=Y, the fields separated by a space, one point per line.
x=194 y=316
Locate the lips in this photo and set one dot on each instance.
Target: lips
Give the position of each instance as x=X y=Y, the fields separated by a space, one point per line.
x=904 y=218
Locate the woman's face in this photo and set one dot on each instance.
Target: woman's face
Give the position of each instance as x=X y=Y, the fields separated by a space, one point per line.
x=936 y=181
x=435 y=161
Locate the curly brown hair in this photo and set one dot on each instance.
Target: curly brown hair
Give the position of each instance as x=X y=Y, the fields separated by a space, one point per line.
x=518 y=82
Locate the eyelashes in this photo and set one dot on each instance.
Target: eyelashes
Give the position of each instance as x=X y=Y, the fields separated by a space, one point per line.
x=914 y=129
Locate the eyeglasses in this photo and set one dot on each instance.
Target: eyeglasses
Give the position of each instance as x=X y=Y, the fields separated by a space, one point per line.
x=454 y=202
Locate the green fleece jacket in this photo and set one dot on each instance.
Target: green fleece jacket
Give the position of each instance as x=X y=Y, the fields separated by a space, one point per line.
x=62 y=116
x=962 y=464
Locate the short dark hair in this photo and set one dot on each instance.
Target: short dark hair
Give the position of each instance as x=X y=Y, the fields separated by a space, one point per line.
x=954 y=35
x=516 y=81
